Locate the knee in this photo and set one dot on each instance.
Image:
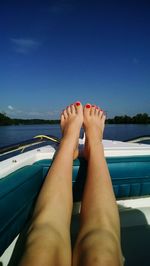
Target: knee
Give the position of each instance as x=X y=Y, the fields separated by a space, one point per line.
x=44 y=232
x=97 y=237
x=99 y=248
x=98 y=257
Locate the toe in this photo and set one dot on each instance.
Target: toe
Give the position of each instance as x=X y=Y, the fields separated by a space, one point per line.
x=100 y=113
x=65 y=113
x=104 y=117
x=93 y=109
x=96 y=110
x=62 y=119
x=87 y=109
x=68 y=109
x=73 y=109
x=78 y=107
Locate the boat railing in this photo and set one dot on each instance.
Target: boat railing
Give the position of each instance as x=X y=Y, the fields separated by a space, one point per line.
x=138 y=139
x=21 y=146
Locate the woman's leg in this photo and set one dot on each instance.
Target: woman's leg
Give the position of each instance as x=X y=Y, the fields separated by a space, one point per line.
x=98 y=241
x=48 y=240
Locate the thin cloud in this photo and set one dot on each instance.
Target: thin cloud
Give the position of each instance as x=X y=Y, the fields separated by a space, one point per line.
x=24 y=46
x=31 y=114
x=10 y=107
x=12 y=111
x=52 y=113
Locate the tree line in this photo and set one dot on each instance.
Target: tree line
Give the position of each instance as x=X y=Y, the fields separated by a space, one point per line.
x=5 y=120
x=137 y=119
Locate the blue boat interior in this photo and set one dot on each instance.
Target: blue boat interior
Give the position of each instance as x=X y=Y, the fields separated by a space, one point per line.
x=19 y=190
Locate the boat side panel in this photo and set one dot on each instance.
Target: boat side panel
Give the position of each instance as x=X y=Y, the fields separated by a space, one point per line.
x=18 y=192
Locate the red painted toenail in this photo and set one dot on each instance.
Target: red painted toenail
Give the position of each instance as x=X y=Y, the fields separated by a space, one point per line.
x=93 y=105
x=88 y=106
x=77 y=103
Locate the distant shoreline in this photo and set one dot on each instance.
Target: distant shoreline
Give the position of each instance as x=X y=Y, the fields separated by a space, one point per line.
x=7 y=121
x=29 y=124
x=137 y=119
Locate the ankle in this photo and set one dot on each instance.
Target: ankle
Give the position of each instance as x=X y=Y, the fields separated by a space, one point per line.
x=95 y=148
x=68 y=143
x=94 y=134
x=94 y=143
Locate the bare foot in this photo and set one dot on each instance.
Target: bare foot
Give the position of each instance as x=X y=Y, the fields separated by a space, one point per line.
x=94 y=123
x=71 y=122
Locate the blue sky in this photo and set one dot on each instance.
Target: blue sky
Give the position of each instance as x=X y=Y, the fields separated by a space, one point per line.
x=53 y=53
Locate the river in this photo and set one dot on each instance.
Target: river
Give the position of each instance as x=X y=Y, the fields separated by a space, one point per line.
x=14 y=134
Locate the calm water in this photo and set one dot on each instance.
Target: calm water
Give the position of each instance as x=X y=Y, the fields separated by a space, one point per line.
x=14 y=134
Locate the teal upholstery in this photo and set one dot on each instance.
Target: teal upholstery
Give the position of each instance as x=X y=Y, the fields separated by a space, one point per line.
x=18 y=192
x=130 y=175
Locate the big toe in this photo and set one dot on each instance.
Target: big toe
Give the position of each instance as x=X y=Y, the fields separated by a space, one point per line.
x=87 y=109
x=79 y=107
